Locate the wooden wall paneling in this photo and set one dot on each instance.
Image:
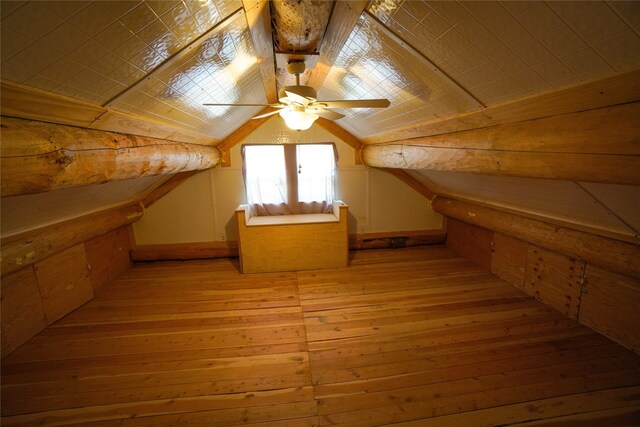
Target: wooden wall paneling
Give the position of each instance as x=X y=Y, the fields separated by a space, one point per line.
x=471 y=242
x=509 y=259
x=22 y=311
x=64 y=282
x=184 y=251
x=554 y=279
x=611 y=305
x=609 y=253
x=36 y=245
x=108 y=256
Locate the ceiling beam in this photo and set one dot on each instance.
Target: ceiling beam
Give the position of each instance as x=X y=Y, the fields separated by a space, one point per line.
x=38 y=156
x=259 y=22
x=618 y=89
x=30 y=103
x=594 y=146
x=343 y=19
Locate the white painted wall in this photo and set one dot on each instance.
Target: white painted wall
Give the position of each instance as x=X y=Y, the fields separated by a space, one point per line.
x=202 y=209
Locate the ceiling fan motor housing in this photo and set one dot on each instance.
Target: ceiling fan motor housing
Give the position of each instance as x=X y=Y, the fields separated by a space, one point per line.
x=306 y=91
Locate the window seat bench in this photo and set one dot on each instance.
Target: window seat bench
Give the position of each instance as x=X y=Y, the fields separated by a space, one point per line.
x=293 y=242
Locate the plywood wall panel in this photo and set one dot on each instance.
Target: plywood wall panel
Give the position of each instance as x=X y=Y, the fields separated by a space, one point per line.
x=64 y=282
x=509 y=259
x=22 y=312
x=470 y=241
x=108 y=256
x=554 y=279
x=611 y=305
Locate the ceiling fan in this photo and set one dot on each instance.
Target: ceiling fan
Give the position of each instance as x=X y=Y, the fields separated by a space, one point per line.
x=299 y=107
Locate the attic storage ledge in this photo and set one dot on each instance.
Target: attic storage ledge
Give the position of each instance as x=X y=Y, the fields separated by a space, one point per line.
x=293 y=242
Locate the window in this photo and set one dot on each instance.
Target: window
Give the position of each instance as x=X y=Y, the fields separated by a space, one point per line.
x=289 y=179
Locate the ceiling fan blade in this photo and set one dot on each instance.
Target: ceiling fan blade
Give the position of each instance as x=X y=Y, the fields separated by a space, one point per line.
x=299 y=99
x=326 y=114
x=355 y=103
x=270 y=113
x=243 y=105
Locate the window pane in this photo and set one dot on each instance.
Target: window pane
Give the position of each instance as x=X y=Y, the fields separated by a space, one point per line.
x=266 y=180
x=316 y=167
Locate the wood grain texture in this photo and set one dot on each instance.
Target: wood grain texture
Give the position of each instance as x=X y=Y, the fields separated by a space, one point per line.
x=554 y=279
x=289 y=247
x=587 y=167
x=259 y=21
x=21 y=308
x=471 y=242
x=509 y=259
x=23 y=249
x=30 y=103
x=108 y=256
x=614 y=254
x=184 y=251
x=64 y=282
x=610 y=305
x=38 y=156
x=417 y=336
x=609 y=130
x=615 y=90
x=343 y=19
x=226 y=249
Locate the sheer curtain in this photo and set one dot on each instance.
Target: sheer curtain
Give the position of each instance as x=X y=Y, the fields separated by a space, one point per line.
x=316 y=177
x=291 y=179
x=265 y=178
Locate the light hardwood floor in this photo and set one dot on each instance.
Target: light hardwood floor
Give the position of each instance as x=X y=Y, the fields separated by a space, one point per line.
x=410 y=337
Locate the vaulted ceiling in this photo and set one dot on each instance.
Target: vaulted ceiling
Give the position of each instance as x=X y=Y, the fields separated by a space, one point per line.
x=442 y=64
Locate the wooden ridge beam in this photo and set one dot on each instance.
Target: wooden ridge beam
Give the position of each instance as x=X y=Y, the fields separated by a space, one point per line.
x=595 y=146
x=26 y=248
x=343 y=19
x=38 y=156
x=614 y=254
x=259 y=22
x=615 y=90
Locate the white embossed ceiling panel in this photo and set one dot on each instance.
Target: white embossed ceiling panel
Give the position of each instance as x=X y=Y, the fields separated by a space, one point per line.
x=373 y=65
x=502 y=51
x=94 y=50
x=222 y=68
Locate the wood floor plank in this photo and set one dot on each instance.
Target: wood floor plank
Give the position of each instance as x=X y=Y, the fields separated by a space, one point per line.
x=414 y=336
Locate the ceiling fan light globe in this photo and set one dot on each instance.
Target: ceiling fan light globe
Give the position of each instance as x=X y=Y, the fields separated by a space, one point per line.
x=298 y=120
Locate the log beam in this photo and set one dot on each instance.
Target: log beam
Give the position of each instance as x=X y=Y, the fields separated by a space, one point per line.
x=38 y=156
x=23 y=249
x=614 y=254
x=259 y=22
x=595 y=146
x=616 y=90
